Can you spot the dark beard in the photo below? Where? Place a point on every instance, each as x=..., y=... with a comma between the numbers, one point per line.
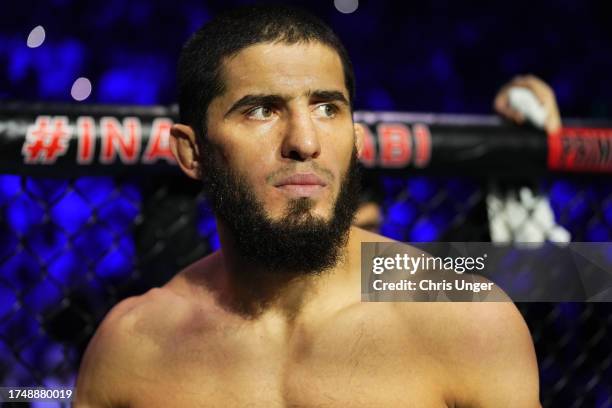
x=298, y=243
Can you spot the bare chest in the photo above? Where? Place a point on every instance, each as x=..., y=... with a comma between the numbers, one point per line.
x=344, y=364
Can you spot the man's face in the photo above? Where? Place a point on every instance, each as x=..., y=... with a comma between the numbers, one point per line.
x=284, y=125
x=279, y=162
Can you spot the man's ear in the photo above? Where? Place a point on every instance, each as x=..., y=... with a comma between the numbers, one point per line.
x=359, y=135
x=185, y=149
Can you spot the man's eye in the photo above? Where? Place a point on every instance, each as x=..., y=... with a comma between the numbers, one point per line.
x=326, y=110
x=260, y=113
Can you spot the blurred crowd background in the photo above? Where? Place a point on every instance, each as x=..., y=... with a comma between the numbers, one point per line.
x=439, y=56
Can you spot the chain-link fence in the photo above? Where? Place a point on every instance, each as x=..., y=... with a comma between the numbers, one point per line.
x=72, y=248
x=572, y=340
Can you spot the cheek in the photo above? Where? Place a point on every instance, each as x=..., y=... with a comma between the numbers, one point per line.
x=339, y=154
x=247, y=154
x=253, y=162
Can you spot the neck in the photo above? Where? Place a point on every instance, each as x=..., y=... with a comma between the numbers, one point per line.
x=252, y=290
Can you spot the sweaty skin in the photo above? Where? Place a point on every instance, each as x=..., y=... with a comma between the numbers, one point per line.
x=206, y=339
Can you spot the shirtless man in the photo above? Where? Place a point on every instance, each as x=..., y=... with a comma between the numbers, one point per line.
x=274, y=318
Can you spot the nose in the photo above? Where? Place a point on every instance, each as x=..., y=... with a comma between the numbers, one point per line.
x=301, y=140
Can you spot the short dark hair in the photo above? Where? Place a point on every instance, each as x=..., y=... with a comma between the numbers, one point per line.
x=199, y=66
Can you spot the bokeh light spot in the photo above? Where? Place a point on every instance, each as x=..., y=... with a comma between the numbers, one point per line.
x=36, y=37
x=346, y=6
x=81, y=89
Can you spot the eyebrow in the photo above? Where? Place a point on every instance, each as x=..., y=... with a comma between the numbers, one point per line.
x=329, y=96
x=254, y=100
x=275, y=99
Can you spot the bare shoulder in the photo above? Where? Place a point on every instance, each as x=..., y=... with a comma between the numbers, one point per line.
x=485, y=347
x=137, y=318
x=359, y=235
x=123, y=346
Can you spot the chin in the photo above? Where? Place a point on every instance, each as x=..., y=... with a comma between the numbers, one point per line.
x=303, y=209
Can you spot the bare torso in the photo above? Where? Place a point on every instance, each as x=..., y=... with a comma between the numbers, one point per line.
x=188, y=350
x=356, y=357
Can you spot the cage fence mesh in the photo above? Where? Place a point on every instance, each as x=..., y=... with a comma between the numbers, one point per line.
x=72, y=248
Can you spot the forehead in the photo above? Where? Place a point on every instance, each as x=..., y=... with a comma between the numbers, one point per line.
x=284, y=69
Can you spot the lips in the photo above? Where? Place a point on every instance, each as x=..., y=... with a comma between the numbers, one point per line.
x=307, y=179
x=302, y=185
